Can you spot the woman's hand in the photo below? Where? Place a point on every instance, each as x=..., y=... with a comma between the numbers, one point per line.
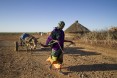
x=72, y=42
x=55, y=41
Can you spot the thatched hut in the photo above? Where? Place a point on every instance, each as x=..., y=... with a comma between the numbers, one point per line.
x=77, y=28
x=113, y=29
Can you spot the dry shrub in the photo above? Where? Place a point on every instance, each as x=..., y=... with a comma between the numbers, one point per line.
x=103, y=38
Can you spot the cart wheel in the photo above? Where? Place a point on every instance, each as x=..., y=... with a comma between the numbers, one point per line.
x=16, y=46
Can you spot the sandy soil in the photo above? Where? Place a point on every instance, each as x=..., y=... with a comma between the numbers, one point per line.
x=80, y=61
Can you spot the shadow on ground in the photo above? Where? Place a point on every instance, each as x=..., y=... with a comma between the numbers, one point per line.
x=79, y=51
x=94, y=67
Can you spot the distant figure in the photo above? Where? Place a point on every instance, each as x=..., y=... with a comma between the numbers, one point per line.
x=41, y=33
x=56, y=41
x=29, y=40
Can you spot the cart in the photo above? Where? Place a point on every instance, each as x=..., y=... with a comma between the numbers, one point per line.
x=25, y=46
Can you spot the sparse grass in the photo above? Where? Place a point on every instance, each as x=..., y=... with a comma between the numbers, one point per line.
x=101, y=38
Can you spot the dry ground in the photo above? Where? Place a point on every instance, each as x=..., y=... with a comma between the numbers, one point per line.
x=80, y=61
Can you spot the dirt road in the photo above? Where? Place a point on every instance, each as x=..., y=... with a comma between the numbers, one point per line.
x=80, y=61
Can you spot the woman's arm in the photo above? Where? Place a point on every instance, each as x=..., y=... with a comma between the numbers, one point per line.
x=69, y=41
x=43, y=45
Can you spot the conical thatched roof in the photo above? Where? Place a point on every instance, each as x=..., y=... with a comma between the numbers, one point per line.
x=77, y=28
x=113, y=29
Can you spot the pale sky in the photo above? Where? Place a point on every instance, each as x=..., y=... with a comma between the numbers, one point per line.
x=44, y=15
